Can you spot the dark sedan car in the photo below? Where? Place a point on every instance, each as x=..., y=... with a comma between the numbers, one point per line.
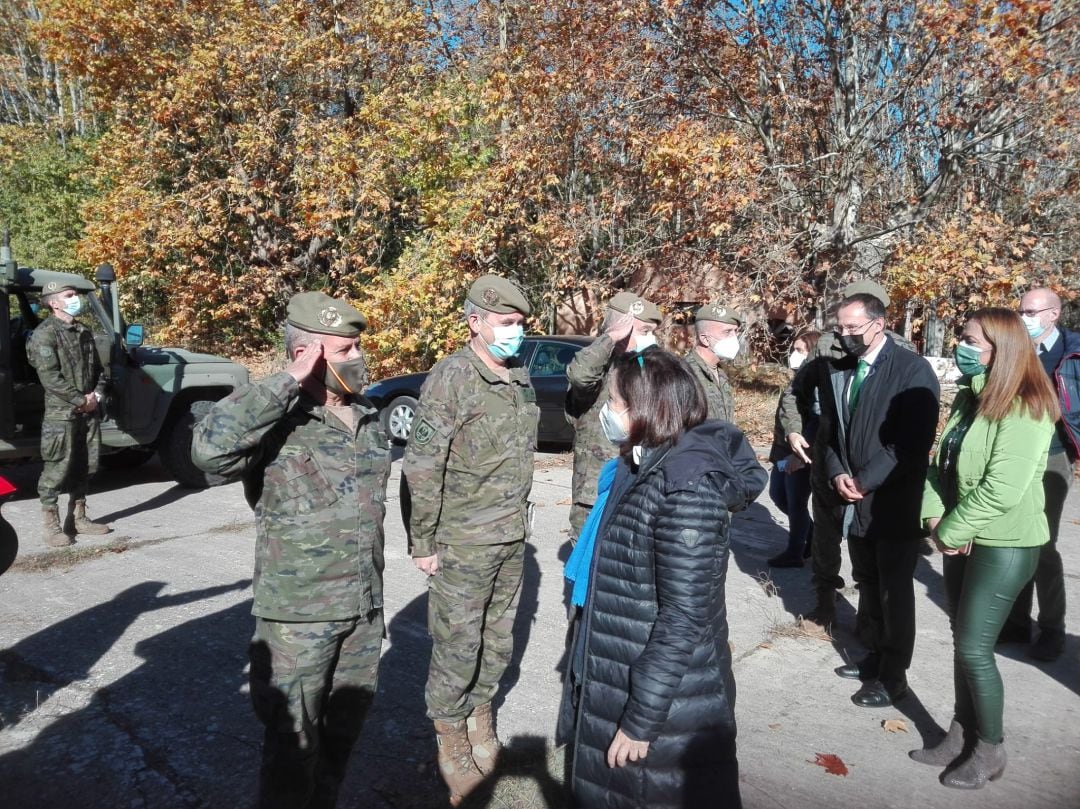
x=545, y=357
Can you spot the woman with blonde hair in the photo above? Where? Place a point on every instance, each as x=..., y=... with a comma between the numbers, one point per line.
x=984, y=505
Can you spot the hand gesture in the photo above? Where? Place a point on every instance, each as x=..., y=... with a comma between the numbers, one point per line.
x=304, y=365
x=620, y=328
x=624, y=749
x=848, y=488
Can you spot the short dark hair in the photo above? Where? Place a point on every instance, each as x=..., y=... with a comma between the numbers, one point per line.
x=873, y=307
x=665, y=398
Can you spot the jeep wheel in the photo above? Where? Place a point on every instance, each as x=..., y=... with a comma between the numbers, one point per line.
x=175, y=449
x=398, y=418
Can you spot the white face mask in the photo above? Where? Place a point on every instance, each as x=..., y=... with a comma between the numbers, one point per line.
x=643, y=341
x=727, y=348
x=795, y=360
x=612, y=424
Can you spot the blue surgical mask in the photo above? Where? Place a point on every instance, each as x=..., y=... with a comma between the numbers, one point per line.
x=74, y=306
x=968, y=359
x=1033, y=325
x=508, y=340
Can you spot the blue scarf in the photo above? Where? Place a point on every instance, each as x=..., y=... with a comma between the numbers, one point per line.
x=579, y=564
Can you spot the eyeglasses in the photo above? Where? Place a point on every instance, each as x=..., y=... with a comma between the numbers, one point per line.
x=854, y=329
x=1033, y=312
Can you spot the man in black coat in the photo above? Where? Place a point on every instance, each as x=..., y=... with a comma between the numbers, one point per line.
x=879, y=410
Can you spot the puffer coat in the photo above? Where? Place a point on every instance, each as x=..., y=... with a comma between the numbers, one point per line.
x=656, y=657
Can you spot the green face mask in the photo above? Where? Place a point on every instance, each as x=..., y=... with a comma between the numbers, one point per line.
x=346, y=378
x=968, y=360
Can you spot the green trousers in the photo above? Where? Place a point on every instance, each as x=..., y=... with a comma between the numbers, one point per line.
x=981, y=589
x=472, y=602
x=69, y=452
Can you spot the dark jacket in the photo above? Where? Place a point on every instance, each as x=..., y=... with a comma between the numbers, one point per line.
x=657, y=662
x=885, y=445
x=1067, y=384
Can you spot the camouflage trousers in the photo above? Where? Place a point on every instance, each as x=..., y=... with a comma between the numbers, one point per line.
x=311, y=686
x=472, y=602
x=70, y=451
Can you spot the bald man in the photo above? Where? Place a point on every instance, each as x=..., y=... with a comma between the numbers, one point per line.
x=1059, y=352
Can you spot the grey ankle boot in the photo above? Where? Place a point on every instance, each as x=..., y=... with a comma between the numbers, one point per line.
x=985, y=763
x=944, y=752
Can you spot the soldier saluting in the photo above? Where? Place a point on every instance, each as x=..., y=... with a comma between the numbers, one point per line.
x=468, y=471
x=314, y=460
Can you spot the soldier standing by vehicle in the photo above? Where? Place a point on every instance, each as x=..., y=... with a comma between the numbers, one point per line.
x=62, y=352
x=314, y=460
x=716, y=338
x=467, y=472
x=628, y=326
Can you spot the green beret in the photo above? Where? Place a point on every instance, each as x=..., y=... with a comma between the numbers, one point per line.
x=499, y=295
x=867, y=287
x=632, y=304
x=719, y=313
x=318, y=313
x=52, y=287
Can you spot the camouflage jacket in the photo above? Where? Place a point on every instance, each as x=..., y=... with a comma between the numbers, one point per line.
x=468, y=468
x=67, y=363
x=588, y=390
x=318, y=490
x=718, y=392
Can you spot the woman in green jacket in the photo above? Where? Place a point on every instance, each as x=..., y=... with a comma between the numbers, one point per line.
x=983, y=503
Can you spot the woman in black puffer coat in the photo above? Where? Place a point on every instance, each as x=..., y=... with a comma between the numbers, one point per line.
x=651, y=674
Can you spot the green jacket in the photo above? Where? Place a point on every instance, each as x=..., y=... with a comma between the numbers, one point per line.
x=999, y=472
x=718, y=393
x=318, y=489
x=588, y=390
x=468, y=469
x=67, y=364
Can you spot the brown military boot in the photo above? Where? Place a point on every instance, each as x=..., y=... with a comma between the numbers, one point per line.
x=485, y=744
x=83, y=524
x=455, y=760
x=51, y=533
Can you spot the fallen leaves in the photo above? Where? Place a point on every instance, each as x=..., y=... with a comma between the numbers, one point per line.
x=832, y=764
x=894, y=726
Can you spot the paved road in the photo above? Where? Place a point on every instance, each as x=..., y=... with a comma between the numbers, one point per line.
x=123, y=671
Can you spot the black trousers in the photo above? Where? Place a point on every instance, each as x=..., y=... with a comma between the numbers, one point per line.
x=884, y=572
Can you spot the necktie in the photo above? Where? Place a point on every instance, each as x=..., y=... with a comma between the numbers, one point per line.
x=857, y=380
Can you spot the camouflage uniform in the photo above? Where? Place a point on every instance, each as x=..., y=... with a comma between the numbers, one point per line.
x=318, y=489
x=67, y=364
x=718, y=392
x=588, y=391
x=468, y=471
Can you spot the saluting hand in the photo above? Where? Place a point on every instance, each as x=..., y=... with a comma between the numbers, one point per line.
x=620, y=329
x=307, y=358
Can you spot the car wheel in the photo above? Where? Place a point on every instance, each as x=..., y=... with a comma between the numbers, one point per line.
x=398, y=418
x=175, y=449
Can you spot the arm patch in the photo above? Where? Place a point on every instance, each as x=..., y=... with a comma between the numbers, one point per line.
x=423, y=432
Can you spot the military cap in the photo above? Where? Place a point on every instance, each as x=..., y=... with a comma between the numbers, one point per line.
x=499, y=295
x=720, y=313
x=632, y=304
x=52, y=287
x=318, y=313
x=865, y=286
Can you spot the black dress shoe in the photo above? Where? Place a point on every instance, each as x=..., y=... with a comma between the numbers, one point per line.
x=1048, y=647
x=865, y=669
x=874, y=694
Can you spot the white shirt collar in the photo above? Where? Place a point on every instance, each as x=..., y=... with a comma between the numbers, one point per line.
x=871, y=356
x=1048, y=342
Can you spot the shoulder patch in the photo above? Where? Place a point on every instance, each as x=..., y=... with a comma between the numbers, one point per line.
x=423, y=432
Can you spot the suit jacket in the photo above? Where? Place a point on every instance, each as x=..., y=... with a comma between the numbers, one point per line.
x=885, y=444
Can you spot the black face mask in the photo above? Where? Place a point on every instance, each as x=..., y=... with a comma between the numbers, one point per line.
x=346, y=378
x=854, y=345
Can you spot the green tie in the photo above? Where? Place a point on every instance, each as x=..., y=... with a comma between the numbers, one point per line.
x=857, y=380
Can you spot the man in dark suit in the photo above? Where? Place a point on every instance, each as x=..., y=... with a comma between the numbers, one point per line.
x=879, y=409
x=1059, y=352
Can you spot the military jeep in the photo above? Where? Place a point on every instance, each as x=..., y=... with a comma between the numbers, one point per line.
x=154, y=396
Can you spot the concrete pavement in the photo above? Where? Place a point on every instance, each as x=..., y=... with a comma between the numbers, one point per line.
x=123, y=683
